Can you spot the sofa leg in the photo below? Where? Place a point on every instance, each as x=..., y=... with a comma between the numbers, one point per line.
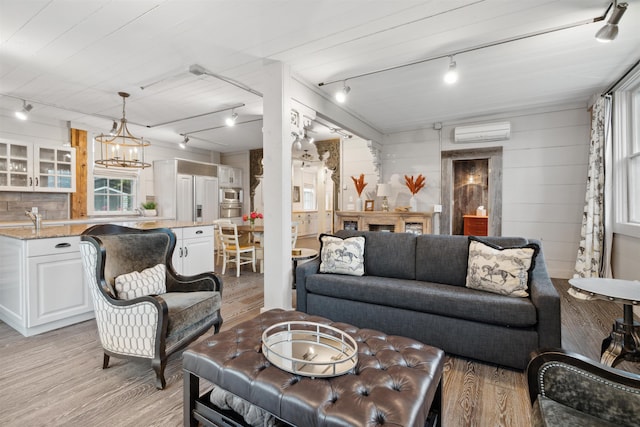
x=105, y=361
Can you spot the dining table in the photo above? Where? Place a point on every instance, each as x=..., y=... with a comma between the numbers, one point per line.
x=255, y=235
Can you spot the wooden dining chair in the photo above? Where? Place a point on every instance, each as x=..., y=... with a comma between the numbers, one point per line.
x=218, y=241
x=233, y=251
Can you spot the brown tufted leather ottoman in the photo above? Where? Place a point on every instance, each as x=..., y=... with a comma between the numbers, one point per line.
x=396, y=382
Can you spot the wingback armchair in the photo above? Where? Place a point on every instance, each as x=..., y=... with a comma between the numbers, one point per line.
x=567, y=389
x=156, y=324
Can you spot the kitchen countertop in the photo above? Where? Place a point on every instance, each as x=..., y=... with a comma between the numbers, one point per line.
x=27, y=231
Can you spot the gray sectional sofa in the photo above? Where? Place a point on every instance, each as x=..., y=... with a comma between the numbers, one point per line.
x=415, y=286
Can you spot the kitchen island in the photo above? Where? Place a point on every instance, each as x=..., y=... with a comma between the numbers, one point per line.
x=42, y=284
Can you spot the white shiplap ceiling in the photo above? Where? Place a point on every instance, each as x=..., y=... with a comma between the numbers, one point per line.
x=70, y=58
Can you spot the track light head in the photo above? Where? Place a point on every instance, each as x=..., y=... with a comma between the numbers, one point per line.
x=341, y=95
x=297, y=144
x=451, y=76
x=183, y=144
x=610, y=30
x=24, y=113
x=114, y=128
x=197, y=69
x=231, y=121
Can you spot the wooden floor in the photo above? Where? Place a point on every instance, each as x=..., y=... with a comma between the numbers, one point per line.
x=55, y=379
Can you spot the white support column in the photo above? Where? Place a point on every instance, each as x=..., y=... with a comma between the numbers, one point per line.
x=277, y=186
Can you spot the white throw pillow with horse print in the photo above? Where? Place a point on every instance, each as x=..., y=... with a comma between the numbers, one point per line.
x=500, y=270
x=342, y=256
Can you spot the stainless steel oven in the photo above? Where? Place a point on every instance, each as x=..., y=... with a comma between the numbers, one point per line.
x=230, y=210
x=230, y=195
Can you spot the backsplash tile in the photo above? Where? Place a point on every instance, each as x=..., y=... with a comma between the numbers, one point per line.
x=50, y=205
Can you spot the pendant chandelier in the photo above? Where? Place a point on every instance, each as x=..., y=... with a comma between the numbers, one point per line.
x=120, y=148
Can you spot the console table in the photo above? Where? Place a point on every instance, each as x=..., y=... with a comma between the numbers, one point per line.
x=395, y=222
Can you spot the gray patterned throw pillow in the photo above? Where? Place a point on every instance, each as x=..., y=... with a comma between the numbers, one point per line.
x=342, y=256
x=500, y=270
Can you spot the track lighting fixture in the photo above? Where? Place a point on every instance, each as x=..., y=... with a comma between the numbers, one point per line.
x=24, y=113
x=231, y=121
x=616, y=15
x=451, y=76
x=114, y=128
x=610, y=30
x=341, y=95
x=183, y=144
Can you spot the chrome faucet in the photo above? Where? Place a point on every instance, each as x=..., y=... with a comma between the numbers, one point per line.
x=35, y=217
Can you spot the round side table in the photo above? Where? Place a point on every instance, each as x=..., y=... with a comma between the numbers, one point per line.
x=624, y=341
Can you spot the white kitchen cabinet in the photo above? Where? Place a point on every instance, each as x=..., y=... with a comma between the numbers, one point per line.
x=42, y=284
x=194, y=253
x=33, y=167
x=229, y=176
x=307, y=222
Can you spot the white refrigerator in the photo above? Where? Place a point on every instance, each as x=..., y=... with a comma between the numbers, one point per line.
x=186, y=190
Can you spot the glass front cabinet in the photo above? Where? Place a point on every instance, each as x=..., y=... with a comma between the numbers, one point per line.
x=33, y=167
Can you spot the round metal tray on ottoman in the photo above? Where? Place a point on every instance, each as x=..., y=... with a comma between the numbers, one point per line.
x=310, y=349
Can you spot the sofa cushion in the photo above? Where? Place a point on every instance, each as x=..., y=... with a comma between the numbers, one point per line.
x=436, y=298
x=342, y=256
x=443, y=258
x=150, y=281
x=504, y=271
x=387, y=254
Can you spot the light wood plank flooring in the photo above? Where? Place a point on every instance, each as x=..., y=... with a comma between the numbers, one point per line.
x=55, y=379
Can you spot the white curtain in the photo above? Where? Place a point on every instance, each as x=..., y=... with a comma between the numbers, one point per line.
x=590, y=260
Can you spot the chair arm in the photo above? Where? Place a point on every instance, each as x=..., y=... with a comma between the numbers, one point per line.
x=151, y=309
x=199, y=282
x=585, y=385
x=304, y=270
x=546, y=299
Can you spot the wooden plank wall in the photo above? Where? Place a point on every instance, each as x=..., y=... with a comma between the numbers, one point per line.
x=544, y=174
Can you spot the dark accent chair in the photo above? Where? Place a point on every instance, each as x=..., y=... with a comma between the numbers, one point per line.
x=567, y=389
x=152, y=326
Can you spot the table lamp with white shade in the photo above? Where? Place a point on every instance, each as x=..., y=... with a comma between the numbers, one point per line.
x=384, y=191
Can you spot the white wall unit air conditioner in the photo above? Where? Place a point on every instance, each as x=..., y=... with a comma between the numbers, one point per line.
x=499, y=131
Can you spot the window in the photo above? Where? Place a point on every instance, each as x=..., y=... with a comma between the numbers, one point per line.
x=633, y=179
x=309, y=198
x=626, y=163
x=115, y=195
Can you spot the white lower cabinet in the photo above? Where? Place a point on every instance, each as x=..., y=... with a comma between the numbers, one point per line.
x=45, y=287
x=194, y=250
x=307, y=222
x=56, y=288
